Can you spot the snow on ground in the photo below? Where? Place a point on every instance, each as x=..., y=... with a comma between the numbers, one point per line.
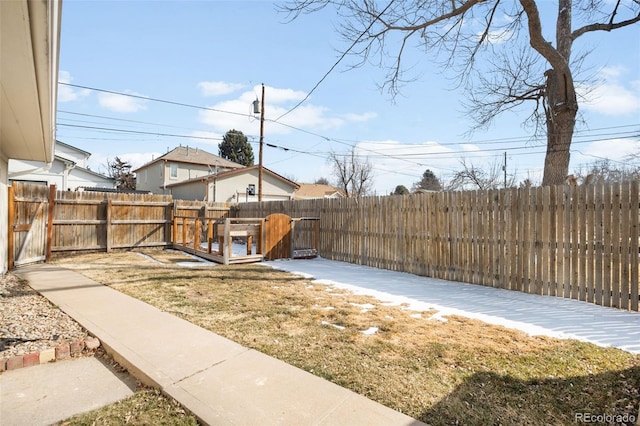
x=530, y=313
x=533, y=314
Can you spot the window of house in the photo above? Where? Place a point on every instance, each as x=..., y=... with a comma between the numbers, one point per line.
x=173, y=171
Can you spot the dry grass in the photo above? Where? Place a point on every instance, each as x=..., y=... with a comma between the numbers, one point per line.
x=145, y=407
x=461, y=370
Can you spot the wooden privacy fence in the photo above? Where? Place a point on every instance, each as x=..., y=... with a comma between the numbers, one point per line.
x=574, y=242
x=43, y=220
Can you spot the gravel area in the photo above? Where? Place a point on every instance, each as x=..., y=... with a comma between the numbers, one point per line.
x=29, y=322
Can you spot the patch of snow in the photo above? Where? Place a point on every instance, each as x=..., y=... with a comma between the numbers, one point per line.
x=369, y=331
x=149, y=258
x=418, y=315
x=237, y=249
x=533, y=314
x=438, y=317
x=194, y=264
x=365, y=307
x=339, y=327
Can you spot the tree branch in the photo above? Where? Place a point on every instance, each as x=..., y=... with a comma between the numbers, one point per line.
x=604, y=27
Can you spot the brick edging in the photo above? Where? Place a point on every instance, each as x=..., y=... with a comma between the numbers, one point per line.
x=63, y=351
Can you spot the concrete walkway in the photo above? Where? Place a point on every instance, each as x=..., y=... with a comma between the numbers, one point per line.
x=219, y=381
x=49, y=393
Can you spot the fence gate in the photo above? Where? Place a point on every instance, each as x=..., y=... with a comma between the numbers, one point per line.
x=29, y=212
x=278, y=238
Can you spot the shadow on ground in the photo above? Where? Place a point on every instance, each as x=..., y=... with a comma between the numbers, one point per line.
x=488, y=398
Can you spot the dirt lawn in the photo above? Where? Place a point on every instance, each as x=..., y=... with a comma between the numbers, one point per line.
x=459, y=371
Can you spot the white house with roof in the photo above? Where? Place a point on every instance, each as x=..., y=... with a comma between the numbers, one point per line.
x=235, y=186
x=30, y=34
x=67, y=171
x=179, y=165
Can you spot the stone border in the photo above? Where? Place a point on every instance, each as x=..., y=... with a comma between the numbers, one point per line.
x=63, y=351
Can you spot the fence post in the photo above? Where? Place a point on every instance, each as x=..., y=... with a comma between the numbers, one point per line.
x=108, y=227
x=50, y=214
x=174, y=223
x=635, y=244
x=209, y=235
x=196, y=234
x=10, y=225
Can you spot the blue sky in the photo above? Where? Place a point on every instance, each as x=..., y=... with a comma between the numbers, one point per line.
x=216, y=54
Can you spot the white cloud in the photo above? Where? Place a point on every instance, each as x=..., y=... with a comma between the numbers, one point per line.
x=497, y=36
x=209, y=138
x=217, y=88
x=469, y=147
x=68, y=93
x=613, y=96
x=122, y=103
x=360, y=117
x=614, y=149
x=239, y=113
x=396, y=163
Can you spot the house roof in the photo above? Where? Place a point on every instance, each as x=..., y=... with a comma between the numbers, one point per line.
x=186, y=154
x=30, y=34
x=230, y=173
x=316, y=190
x=75, y=148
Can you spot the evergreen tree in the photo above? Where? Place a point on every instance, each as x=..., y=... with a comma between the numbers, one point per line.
x=400, y=190
x=235, y=147
x=429, y=182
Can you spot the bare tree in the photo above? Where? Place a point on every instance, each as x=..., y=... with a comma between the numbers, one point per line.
x=522, y=66
x=354, y=175
x=474, y=177
x=605, y=170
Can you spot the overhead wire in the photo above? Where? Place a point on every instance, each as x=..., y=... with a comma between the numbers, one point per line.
x=344, y=54
x=353, y=144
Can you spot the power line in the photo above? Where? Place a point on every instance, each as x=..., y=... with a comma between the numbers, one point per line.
x=374, y=153
x=146, y=98
x=344, y=54
x=137, y=132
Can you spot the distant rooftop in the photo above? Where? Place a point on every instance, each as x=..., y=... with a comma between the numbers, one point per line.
x=317, y=190
x=186, y=154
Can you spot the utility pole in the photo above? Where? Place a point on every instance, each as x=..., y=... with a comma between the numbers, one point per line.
x=505, y=169
x=261, y=141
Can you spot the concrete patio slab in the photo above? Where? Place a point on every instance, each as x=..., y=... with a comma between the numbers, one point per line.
x=49, y=393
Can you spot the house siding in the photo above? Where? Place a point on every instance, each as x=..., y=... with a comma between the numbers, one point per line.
x=4, y=213
x=150, y=178
x=57, y=174
x=69, y=152
x=158, y=175
x=190, y=191
x=234, y=188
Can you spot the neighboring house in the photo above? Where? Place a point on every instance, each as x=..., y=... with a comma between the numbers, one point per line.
x=308, y=191
x=239, y=185
x=67, y=171
x=30, y=34
x=181, y=164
